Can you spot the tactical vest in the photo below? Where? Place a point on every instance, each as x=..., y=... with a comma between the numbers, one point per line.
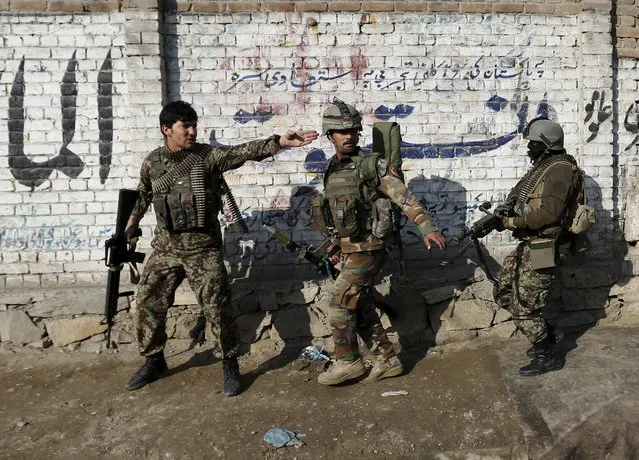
x=350, y=190
x=186, y=204
x=531, y=192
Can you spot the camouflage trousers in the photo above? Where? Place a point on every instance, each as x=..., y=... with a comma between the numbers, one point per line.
x=524, y=292
x=165, y=270
x=352, y=310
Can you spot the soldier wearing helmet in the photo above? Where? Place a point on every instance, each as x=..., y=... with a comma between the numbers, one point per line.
x=355, y=212
x=538, y=210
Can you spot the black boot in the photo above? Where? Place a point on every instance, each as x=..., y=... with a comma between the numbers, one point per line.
x=545, y=360
x=232, y=377
x=555, y=336
x=154, y=368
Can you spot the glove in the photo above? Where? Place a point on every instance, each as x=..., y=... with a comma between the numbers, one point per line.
x=504, y=210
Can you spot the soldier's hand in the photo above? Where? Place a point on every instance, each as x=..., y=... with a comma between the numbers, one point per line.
x=437, y=238
x=504, y=210
x=335, y=258
x=298, y=138
x=132, y=232
x=509, y=223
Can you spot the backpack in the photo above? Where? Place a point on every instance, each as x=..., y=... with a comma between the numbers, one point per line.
x=387, y=140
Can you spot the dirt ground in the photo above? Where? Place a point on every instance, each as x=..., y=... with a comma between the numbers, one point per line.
x=464, y=401
x=57, y=405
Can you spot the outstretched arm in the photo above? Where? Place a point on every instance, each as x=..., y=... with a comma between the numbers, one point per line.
x=228, y=158
x=399, y=194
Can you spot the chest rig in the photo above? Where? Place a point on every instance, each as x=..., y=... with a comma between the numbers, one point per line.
x=350, y=190
x=181, y=200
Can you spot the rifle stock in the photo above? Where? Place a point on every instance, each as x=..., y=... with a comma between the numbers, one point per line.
x=117, y=252
x=324, y=265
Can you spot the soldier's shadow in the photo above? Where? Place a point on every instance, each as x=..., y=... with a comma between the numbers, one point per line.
x=271, y=291
x=267, y=287
x=582, y=299
x=421, y=300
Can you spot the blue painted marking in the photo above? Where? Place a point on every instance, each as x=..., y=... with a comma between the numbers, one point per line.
x=243, y=117
x=450, y=150
x=401, y=111
x=496, y=103
x=315, y=161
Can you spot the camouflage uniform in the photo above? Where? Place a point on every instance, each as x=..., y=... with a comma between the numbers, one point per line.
x=195, y=255
x=363, y=257
x=523, y=290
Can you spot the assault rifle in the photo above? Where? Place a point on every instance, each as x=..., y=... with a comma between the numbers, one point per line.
x=117, y=252
x=323, y=264
x=484, y=226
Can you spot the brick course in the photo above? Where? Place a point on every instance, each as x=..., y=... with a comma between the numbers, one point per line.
x=214, y=6
x=439, y=68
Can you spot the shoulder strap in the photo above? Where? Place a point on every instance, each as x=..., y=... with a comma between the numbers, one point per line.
x=368, y=167
x=329, y=166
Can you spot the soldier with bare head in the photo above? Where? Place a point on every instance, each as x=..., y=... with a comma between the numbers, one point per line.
x=183, y=181
x=355, y=211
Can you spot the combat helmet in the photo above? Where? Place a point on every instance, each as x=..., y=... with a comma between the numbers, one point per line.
x=339, y=116
x=548, y=132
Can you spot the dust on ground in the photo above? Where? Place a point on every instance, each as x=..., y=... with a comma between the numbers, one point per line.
x=463, y=401
x=57, y=405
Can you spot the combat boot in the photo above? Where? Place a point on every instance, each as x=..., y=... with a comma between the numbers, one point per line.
x=555, y=336
x=545, y=360
x=232, y=377
x=384, y=368
x=154, y=368
x=342, y=371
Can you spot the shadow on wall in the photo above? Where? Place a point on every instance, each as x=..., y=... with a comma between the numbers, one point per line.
x=585, y=297
x=169, y=51
x=425, y=295
x=277, y=299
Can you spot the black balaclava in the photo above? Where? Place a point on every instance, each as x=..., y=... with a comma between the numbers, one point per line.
x=536, y=149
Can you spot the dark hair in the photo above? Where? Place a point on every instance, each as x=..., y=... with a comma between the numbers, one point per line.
x=177, y=111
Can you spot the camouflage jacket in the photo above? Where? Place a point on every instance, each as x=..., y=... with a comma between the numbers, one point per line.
x=216, y=161
x=547, y=204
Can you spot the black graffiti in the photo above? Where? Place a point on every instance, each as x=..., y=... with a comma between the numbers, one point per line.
x=631, y=123
x=105, y=116
x=603, y=113
x=33, y=174
x=412, y=79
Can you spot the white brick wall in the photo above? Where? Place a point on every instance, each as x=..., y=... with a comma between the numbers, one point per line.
x=434, y=73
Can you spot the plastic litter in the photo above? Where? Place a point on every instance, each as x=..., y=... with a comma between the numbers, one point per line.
x=312, y=355
x=395, y=393
x=281, y=437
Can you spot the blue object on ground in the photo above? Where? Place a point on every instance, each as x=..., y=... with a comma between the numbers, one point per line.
x=281, y=437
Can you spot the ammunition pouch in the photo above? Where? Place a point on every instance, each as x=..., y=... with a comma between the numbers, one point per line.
x=585, y=218
x=321, y=216
x=345, y=216
x=542, y=253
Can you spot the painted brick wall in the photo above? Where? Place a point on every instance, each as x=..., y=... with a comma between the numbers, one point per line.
x=83, y=84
